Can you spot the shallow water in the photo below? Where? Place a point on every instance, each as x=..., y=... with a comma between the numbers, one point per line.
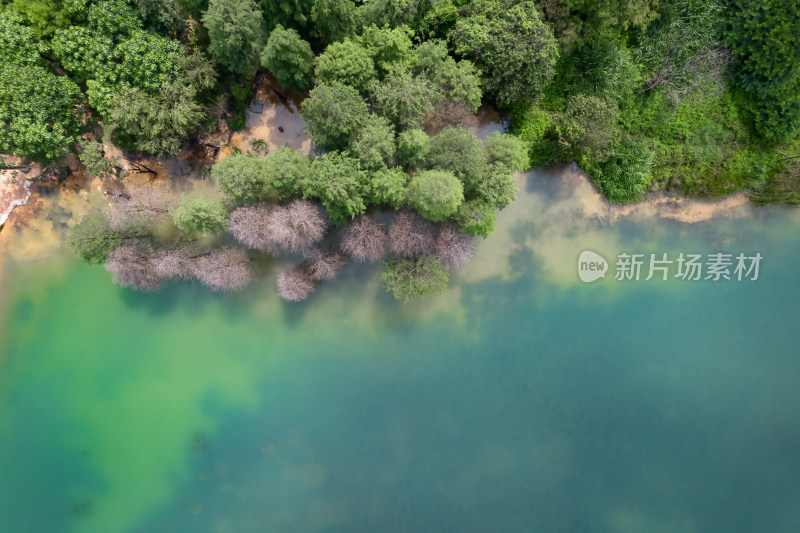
x=520, y=400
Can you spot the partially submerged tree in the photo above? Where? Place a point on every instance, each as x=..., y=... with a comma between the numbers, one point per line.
x=132, y=266
x=387, y=186
x=97, y=166
x=223, y=269
x=244, y=178
x=506, y=149
x=413, y=278
x=297, y=226
x=295, y=284
x=410, y=235
x=365, y=240
x=476, y=217
x=324, y=266
x=453, y=248
x=435, y=194
x=251, y=226
x=200, y=215
x=340, y=185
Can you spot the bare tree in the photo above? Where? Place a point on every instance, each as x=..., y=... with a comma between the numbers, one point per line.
x=139, y=204
x=251, y=227
x=453, y=247
x=324, y=266
x=452, y=114
x=223, y=269
x=131, y=266
x=172, y=264
x=411, y=235
x=297, y=226
x=295, y=284
x=366, y=239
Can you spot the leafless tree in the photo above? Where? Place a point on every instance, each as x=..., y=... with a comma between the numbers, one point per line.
x=173, y=264
x=700, y=75
x=452, y=114
x=251, y=226
x=453, y=247
x=139, y=204
x=295, y=284
x=365, y=240
x=223, y=269
x=324, y=266
x=131, y=266
x=297, y=226
x=411, y=235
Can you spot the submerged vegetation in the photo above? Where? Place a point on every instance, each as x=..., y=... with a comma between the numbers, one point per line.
x=696, y=96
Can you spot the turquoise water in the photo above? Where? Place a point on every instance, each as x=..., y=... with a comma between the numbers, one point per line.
x=521, y=400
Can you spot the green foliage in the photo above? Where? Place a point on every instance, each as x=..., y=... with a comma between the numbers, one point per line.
x=435, y=194
x=246, y=179
x=388, y=12
x=333, y=114
x=86, y=54
x=763, y=35
x=287, y=13
x=339, y=184
x=412, y=147
x=458, y=82
x=497, y=186
x=587, y=127
x=387, y=186
x=617, y=14
x=157, y=124
x=414, y=278
x=391, y=48
x=334, y=19
x=286, y=170
x=602, y=68
x=625, y=175
x=513, y=48
x=235, y=33
x=458, y=151
x=109, y=17
x=373, y=144
x=476, y=217
x=200, y=215
x=404, y=99
x=42, y=16
x=96, y=165
x=17, y=41
x=93, y=238
x=346, y=62
x=506, y=149
x=148, y=60
x=289, y=58
x=783, y=188
x=37, y=112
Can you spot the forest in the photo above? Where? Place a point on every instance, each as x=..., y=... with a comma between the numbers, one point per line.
x=693, y=97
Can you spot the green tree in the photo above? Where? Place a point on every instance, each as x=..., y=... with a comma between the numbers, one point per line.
x=148, y=60
x=109, y=17
x=244, y=178
x=513, y=48
x=602, y=68
x=389, y=12
x=373, y=144
x=156, y=124
x=86, y=54
x=413, y=146
x=404, y=99
x=200, y=215
x=476, y=217
x=497, y=186
x=458, y=151
x=435, y=194
x=391, y=48
x=414, y=278
x=339, y=184
x=507, y=149
x=458, y=82
x=235, y=33
x=763, y=36
x=287, y=13
x=617, y=14
x=587, y=127
x=93, y=237
x=334, y=19
x=287, y=170
x=333, y=113
x=346, y=62
x=38, y=116
x=42, y=16
x=96, y=165
x=625, y=175
x=17, y=41
x=289, y=58
x=387, y=186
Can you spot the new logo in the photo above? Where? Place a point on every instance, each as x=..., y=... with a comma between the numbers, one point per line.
x=591, y=266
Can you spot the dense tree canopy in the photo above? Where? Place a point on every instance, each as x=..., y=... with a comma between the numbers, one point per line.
x=408, y=278
x=458, y=151
x=435, y=194
x=235, y=32
x=337, y=181
x=333, y=114
x=346, y=62
x=200, y=215
x=289, y=58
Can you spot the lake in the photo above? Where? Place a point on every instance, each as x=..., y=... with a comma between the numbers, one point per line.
x=520, y=400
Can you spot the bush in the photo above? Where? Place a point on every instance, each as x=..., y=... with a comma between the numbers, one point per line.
x=476, y=217
x=200, y=215
x=435, y=194
x=413, y=278
x=412, y=147
x=625, y=175
x=458, y=151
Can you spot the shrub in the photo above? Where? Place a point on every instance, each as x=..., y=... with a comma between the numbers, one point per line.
x=413, y=278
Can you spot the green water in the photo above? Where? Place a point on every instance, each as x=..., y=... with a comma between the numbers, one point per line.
x=519, y=401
